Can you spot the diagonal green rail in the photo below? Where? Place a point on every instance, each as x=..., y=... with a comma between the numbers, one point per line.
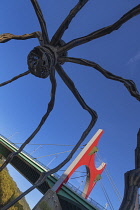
x=69, y=196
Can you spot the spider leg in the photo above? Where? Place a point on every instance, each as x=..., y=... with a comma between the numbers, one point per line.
x=7, y=36
x=129, y=84
x=81, y=101
x=94, y=117
x=101, y=32
x=49, y=109
x=41, y=21
x=131, y=187
x=93, y=114
x=59, y=33
x=14, y=78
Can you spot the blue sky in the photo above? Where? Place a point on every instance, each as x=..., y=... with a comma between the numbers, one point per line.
x=24, y=101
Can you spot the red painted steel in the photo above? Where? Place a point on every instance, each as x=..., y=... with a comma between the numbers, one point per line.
x=87, y=158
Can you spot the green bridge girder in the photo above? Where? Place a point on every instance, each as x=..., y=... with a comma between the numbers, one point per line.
x=31, y=170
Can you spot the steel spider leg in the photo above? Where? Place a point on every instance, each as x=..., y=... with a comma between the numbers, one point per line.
x=129, y=84
x=93, y=114
x=41, y=21
x=132, y=185
x=49, y=109
x=65, y=24
x=7, y=36
x=81, y=101
x=15, y=78
x=101, y=32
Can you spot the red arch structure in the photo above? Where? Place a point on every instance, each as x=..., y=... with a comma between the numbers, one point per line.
x=86, y=157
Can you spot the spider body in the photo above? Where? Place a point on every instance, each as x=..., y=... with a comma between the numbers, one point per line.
x=41, y=60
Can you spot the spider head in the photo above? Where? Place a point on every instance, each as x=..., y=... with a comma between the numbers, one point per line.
x=41, y=60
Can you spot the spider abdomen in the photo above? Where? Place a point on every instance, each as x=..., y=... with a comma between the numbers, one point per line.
x=41, y=60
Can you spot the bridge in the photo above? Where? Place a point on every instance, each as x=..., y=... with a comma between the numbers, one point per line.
x=69, y=196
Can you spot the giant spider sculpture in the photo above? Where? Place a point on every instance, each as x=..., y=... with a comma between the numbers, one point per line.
x=49, y=57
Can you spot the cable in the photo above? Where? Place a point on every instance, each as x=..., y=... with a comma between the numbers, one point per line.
x=106, y=195
x=111, y=181
x=53, y=144
x=78, y=177
x=75, y=171
x=55, y=154
x=114, y=186
x=35, y=150
x=51, y=160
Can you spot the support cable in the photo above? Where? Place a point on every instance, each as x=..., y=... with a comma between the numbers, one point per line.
x=53, y=144
x=78, y=177
x=114, y=186
x=35, y=149
x=55, y=153
x=106, y=196
x=76, y=171
x=111, y=181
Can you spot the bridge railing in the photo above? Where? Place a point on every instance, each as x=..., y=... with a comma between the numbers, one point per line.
x=90, y=200
x=68, y=184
